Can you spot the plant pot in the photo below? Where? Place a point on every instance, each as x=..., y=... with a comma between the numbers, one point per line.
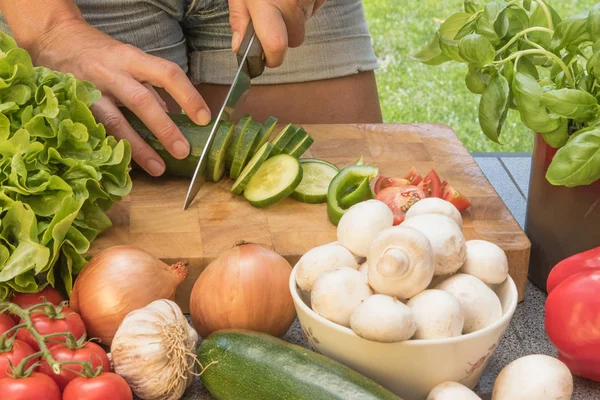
x=560, y=221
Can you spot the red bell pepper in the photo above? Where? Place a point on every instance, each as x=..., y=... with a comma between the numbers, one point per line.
x=572, y=313
x=571, y=265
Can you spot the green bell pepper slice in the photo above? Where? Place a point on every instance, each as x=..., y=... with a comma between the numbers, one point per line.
x=350, y=186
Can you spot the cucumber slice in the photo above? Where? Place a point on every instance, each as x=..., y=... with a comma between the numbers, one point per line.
x=250, y=169
x=283, y=138
x=264, y=134
x=237, y=135
x=242, y=153
x=216, y=154
x=301, y=148
x=316, y=177
x=276, y=179
x=298, y=137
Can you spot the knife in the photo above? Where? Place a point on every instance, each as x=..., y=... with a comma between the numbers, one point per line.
x=251, y=63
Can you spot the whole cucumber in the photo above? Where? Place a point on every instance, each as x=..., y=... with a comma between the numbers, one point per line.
x=242, y=364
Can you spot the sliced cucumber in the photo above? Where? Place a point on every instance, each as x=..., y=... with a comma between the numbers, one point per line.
x=237, y=136
x=264, y=134
x=276, y=179
x=316, y=177
x=282, y=139
x=250, y=169
x=301, y=148
x=242, y=153
x=216, y=154
x=296, y=139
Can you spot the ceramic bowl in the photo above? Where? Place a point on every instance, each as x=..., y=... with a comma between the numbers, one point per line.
x=412, y=368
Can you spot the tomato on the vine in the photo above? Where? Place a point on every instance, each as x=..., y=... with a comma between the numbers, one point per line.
x=399, y=200
x=66, y=321
x=35, y=386
x=6, y=322
x=107, y=385
x=15, y=351
x=89, y=352
x=26, y=300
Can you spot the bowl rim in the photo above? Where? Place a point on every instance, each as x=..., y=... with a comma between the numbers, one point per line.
x=506, y=317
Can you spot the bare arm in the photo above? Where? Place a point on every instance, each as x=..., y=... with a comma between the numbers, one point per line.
x=57, y=37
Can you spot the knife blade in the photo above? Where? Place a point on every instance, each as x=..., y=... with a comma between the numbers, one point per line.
x=251, y=63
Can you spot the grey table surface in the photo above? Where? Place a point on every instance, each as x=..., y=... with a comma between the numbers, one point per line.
x=509, y=174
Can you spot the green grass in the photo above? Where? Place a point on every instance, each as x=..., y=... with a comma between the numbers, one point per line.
x=413, y=92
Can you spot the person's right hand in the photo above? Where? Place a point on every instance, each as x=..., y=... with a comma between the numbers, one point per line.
x=125, y=75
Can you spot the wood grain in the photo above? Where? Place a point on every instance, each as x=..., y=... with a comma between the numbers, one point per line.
x=152, y=217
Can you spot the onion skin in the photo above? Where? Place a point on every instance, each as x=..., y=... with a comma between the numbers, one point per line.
x=244, y=288
x=117, y=281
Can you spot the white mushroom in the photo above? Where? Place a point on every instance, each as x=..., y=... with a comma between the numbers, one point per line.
x=452, y=391
x=338, y=292
x=400, y=262
x=364, y=269
x=435, y=205
x=479, y=304
x=361, y=223
x=486, y=261
x=383, y=318
x=437, y=313
x=446, y=238
x=320, y=259
x=534, y=377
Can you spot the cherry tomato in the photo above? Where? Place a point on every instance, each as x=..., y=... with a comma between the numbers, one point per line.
x=26, y=300
x=106, y=386
x=15, y=352
x=455, y=197
x=383, y=182
x=413, y=177
x=431, y=185
x=6, y=322
x=67, y=321
x=399, y=200
x=90, y=352
x=36, y=386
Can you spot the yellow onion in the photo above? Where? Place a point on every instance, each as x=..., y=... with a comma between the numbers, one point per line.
x=244, y=288
x=117, y=281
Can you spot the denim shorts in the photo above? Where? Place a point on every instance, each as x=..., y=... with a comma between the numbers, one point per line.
x=196, y=35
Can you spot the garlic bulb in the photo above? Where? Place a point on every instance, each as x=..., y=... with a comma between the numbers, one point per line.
x=154, y=351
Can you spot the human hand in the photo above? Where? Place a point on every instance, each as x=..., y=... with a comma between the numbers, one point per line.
x=125, y=75
x=279, y=24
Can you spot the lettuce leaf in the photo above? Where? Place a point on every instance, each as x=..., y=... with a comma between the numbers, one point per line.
x=59, y=174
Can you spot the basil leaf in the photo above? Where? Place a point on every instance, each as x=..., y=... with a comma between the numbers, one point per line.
x=526, y=66
x=593, y=23
x=486, y=24
x=493, y=107
x=447, y=34
x=476, y=49
x=558, y=137
x=528, y=92
x=476, y=80
x=431, y=54
x=471, y=6
x=517, y=19
x=527, y=4
x=571, y=103
x=578, y=162
x=538, y=18
x=571, y=31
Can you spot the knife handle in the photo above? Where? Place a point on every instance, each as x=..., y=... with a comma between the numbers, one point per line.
x=255, y=62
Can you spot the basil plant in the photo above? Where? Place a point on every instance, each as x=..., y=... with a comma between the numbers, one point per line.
x=522, y=55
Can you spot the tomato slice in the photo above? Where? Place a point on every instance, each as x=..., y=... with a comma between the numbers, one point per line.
x=413, y=176
x=431, y=185
x=400, y=199
x=383, y=182
x=455, y=197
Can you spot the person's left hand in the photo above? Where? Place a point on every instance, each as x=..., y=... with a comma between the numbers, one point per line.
x=279, y=24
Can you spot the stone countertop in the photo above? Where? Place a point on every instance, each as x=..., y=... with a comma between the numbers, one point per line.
x=525, y=335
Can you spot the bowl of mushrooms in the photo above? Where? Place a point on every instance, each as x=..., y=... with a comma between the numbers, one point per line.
x=410, y=306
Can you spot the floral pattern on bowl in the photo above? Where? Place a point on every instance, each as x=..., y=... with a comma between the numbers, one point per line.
x=312, y=340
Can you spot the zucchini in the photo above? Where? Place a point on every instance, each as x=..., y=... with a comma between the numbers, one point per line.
x=242, y=152
x=215, y=168
x=242, y=364
x=301, y=148
x=264, y=134
x=250, y=169
x=275, y=180
x=316, y=177
x=296, y=139
x=281, y=140
x=237, y=137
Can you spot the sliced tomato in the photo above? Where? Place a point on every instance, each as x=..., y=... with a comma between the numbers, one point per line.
x=455, y=197
x=431, y=185
x=384, y=182
x=400, y=199
x=413, y=176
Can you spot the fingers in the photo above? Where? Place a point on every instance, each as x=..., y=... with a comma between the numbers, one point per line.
x=160, y=100
x=272, y=31
x=239, y=18
x=116, y=125
x=141, y=101
x=169, y=76
x=318, y=4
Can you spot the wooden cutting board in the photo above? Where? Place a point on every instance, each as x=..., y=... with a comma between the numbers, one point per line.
x=152, y=218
